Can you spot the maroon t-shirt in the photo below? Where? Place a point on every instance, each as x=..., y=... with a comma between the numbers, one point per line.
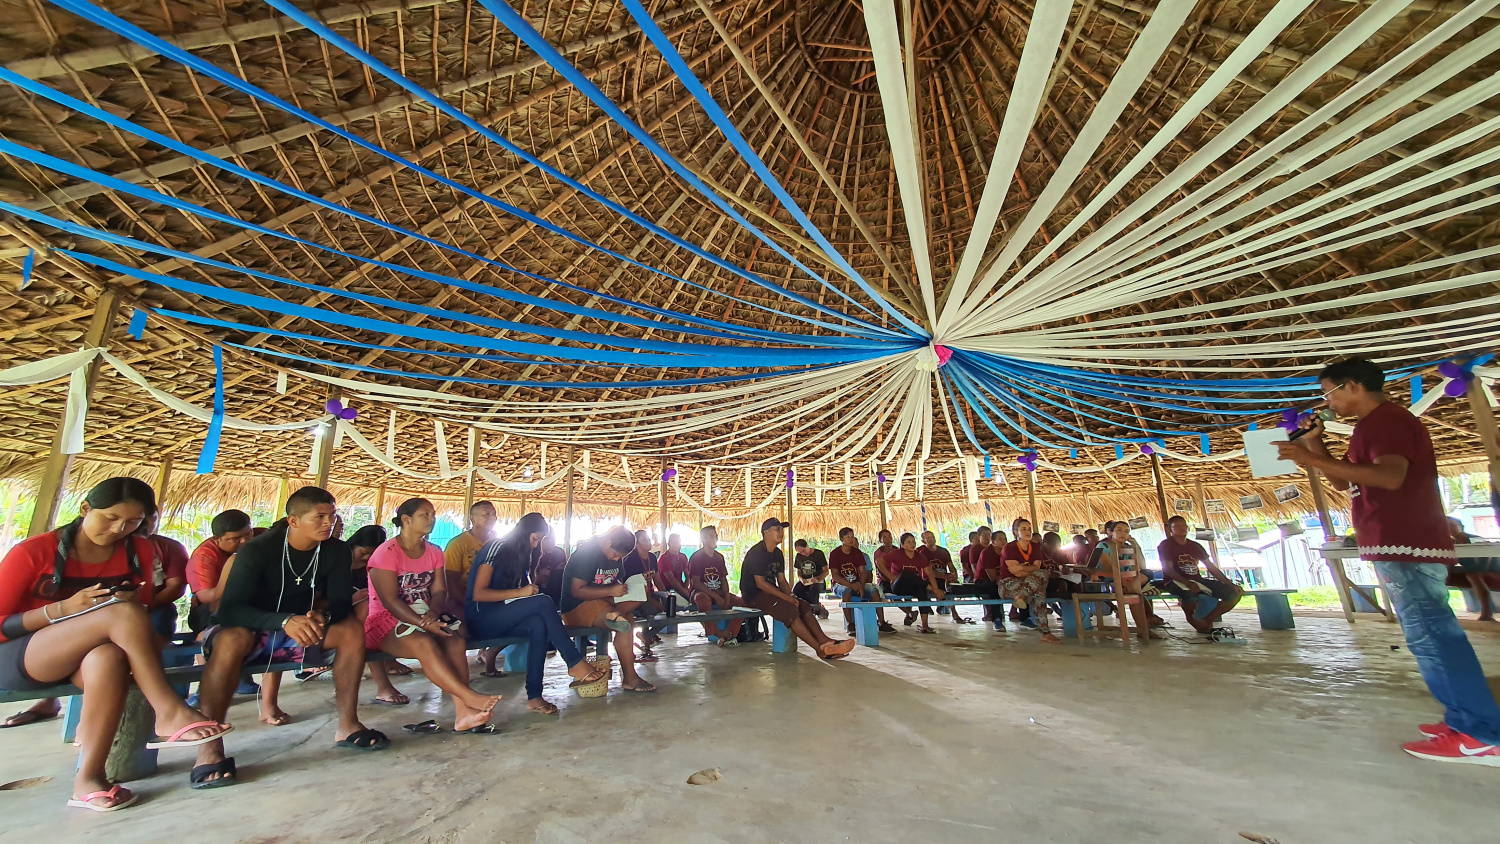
x=848, y=564
x=899, y=563
x=941, y=562
x=1034, y=553
x=173, y=556
x=708, y=566
x=672, y=566
x=966, y=559
x=988, y=558
x=879, y=554
x=1404, y=525
x=1181, y=562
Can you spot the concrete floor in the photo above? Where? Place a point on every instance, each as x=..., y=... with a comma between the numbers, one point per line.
x=968, y=735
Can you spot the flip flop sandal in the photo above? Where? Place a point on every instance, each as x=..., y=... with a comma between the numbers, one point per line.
x=423, y=728
x=176, y=739
x=496, y=673
x=364, y=740
x=382, y=702
x=311, y=674
x=114, y=792
x=887, y=627
x=594, y=677
x=24, y=718
x=397, y=669
x=646, y=657
x=547, y=708
x=199, y=780
x=928, y=630
x=482, y=730
x=619, y=625
x=643, y=688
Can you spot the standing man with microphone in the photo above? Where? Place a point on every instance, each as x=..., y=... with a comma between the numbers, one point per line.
x=1391, y=473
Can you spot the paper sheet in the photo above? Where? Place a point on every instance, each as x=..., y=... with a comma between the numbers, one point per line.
x=637, y=586
x=1265, y=460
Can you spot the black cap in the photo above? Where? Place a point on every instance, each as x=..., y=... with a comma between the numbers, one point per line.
x=770, y=523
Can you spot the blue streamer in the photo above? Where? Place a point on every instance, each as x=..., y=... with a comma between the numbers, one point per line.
x=986, y=467
x=1072, y=454
x=1416, y=388
x=1203, y=444
x=210, y=451
x=27, y=264
x=121, y=27
x=138, y=323
x=539, y=45
x=716, y=114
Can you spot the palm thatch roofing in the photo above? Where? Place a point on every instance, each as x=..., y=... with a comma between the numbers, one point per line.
x=830, y=148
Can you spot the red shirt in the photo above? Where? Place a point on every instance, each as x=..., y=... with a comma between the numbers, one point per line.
x=1033, y=554
x=1404, y=525
x=879, y=554
x=673, y=565
x=173, y=556
x=26, y=574
x=940, y=560
x=899, y=563
x=1181, y=562
x=708, y=567
x=966, y=560
x=849, y=564
x=988, y=558
x=206, y=564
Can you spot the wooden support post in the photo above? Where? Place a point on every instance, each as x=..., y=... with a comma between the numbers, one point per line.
x=163, y=478
x=1213, y=546
x=54, y=481
x=1489, y=433
x=473, y=462
x=325, y=444
x=661, y=500
x=787, y=546
x=1161, y=494
x=1088, y=509
x=1031, y=499
x=380, y=505
x=880, y=491
x=568, y=509
x=1335, y=567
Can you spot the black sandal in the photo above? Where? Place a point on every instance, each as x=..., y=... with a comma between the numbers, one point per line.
x=482, y=730
x=424, y=727
x=199, y=780
x=364, y=740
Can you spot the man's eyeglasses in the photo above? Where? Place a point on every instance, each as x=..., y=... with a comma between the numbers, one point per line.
x=1331, y=392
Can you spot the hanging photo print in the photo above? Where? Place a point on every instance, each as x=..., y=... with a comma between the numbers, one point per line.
x=1050, y=527
x=1139, y=522
x=1182, y=505
x=1215, y=505
x=1287, y=493
x=1251, y=502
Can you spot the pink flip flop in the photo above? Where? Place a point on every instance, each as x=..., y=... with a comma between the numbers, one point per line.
x=161, y=743
x=111, y=794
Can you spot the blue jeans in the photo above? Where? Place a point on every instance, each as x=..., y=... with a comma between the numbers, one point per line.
x=537, y=619
x=1442, y=650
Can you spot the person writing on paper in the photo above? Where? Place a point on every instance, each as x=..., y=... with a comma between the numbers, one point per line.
x=708, y=581
x=73, y=610
x=410, y=618
x=1391, y=474
x=504, y=602
x=641, y=563
x=592, y=585
x=1182, y=563
x=812, y=573
x=763, y=583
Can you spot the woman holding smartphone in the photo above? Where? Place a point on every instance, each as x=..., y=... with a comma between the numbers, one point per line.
x=73, y=609
x=409, y=617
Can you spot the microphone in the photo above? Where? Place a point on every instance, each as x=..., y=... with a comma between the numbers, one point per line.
x=1324, y=415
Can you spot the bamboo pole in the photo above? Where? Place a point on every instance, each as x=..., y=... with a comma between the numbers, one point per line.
x=473, y=462
x=325, y=443
x=1335, y=567
x=1489, y=434
x=1213, y=545
x=1161, y=494
x=880, y=488
x=283, y=490
x=661, y=499
x=54, y=480
x=163, y=477
x=568, y=510
x=380, y=505
x=1031, y=499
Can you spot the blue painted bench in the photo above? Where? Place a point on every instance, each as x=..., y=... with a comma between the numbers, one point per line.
x=866, y=622
x=1272, y=605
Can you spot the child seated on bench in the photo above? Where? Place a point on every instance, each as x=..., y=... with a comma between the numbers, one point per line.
x=73, y=609
x=504, y=602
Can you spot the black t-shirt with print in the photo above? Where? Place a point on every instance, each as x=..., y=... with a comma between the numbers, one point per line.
x=590, y=565
x=764, y=562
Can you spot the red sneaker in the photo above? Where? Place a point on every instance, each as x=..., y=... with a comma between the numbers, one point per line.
x=1434, y=730
x=1455, y=747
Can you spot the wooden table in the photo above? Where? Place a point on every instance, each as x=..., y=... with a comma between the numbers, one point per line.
x=1336, y=553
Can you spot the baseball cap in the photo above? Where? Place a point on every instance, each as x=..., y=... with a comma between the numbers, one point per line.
x=770, y=523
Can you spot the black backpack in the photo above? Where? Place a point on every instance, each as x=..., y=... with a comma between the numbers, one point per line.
x=753, y=630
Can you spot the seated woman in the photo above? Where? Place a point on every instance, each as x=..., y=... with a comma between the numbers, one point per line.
x=911, y=576
x=73, y=603
x=1024, y=576
x=408, y=602
x=361, y=545
x=1120, y=560
x=504, y=602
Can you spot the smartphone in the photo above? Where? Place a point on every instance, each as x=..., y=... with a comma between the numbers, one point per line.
x=124, y=587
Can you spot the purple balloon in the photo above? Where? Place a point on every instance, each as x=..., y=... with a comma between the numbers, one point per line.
x=880, y=478
x=348, y=414
x=334, y=406
x=1147, y=449
x=1450, y=369
x=1456, y=388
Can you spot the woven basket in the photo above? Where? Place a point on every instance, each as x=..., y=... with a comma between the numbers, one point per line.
x=600, y=687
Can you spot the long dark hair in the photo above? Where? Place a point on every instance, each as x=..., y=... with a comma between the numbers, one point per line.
x=369, y=536
x=511, y=557
x=104, y=495
x=517, y=543
x=408, y=508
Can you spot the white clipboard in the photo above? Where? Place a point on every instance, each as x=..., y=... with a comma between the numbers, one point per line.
x=1265, y=459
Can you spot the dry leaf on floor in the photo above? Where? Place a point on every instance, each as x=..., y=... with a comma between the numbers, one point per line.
x=1258, y=839
x=708, y=775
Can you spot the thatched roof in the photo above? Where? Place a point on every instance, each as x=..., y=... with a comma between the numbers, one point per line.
x=835, y=160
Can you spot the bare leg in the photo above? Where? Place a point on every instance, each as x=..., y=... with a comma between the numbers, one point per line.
x=104, y=676
x=216, y=688
x=347, y=639
x=384, y=689
x=625, y=652
x=1221, y=609
x=1482, y=595
x=471, y=709
x=270, y=710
